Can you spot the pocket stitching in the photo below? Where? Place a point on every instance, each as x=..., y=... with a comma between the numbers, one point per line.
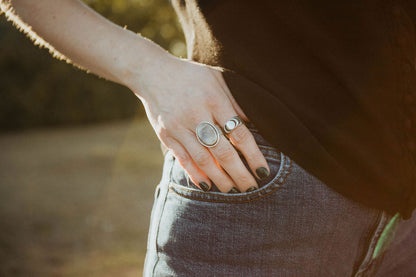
x=272, y=182
x=285, y=172
x=274, y=155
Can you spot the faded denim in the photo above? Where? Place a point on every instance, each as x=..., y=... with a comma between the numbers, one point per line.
x=293, y=225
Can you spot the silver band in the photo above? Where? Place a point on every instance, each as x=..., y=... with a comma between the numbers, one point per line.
x=208, y=134
x=232, y=124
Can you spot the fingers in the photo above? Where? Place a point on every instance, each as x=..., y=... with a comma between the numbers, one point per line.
x=206, y=162
x=241, y=137
x=244, y=141
x=221, y=163
x=197, y=176
x=228, y=158
x=177, y=105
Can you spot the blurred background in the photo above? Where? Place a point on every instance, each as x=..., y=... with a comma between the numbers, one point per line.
x=79, y=161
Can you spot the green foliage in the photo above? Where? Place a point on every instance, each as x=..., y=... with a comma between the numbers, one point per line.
x=37, y=90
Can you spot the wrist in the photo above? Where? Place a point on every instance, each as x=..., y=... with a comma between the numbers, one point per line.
x=140, y=61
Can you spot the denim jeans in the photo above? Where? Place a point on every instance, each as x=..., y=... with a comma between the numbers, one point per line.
x=293, y=225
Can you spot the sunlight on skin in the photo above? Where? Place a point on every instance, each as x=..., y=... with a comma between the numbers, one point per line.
x=27, y=29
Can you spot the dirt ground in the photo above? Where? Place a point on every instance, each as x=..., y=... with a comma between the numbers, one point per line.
x=76, y=201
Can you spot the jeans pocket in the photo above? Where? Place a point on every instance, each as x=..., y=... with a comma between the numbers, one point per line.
x=279, y=165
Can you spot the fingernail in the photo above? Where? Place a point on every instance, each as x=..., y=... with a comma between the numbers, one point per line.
x=262, y=172
x=234, y=190
x=204, y=186
x=251, y=189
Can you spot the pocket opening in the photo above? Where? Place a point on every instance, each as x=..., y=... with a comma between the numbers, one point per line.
x=277, y=180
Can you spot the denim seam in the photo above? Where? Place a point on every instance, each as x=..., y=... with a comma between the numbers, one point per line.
x=368, y=260
x=274, y=156
x=259, y=194
x=272, y=182
x=265, y=147
x=162, y=207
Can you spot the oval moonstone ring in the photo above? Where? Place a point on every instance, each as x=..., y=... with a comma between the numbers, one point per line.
x=208, y=134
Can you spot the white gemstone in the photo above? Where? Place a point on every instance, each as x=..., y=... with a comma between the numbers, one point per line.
x=230, y=125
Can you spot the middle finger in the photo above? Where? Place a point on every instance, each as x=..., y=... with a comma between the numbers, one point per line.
x=228, y=158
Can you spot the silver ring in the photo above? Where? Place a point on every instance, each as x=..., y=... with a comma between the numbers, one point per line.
x=232, y=124
x=208, y=134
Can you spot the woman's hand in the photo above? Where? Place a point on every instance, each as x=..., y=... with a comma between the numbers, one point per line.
x=177, y=96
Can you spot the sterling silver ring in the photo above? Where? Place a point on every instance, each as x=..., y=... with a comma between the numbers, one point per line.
x=232, y=124
x=208, y=134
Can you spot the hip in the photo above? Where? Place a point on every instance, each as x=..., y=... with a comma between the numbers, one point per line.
x=293, y=225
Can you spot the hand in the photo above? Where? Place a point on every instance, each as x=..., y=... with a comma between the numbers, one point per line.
x=177, y=96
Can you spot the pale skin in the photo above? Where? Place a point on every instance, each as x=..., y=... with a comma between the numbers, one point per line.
x=177, y=93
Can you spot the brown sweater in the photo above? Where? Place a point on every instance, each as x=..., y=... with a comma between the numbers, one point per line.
x=331, y=84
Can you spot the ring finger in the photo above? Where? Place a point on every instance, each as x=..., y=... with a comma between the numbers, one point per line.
x=225, y=154
x=228, y=158
x=244, y=141
x=206, y=162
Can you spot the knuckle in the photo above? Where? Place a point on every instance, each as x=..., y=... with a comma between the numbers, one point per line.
x=202, y=158
x=213, y=103
x=167, y=140
x=240, y=136
x=171, y=122
x=224, y=153
x=182, y=157
x=245, y=179
x=163, y=134
x=193, y=118
x=253, y=154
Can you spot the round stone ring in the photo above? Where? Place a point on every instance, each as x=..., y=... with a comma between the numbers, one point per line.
x=232, y=124
x=208, y=134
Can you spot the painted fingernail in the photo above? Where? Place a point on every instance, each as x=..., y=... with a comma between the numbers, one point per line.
x=204, y=186
x=250, y=189
x=234, y=190
x=262, y=172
